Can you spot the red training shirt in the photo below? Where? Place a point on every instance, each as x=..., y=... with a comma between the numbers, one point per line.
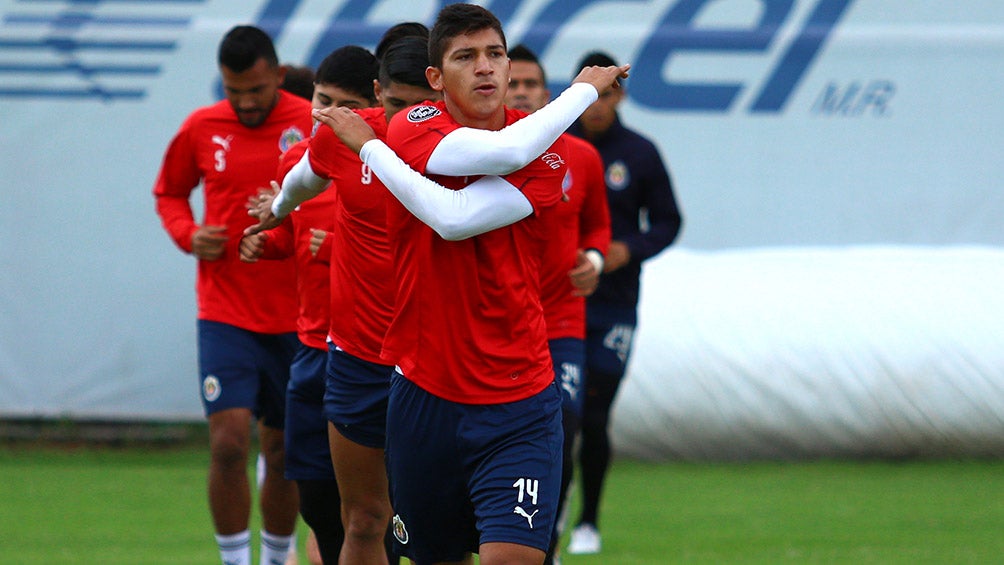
x=232, y=162
x=292, y=239
x=362, y=278
x=582, y=221
x=468, y=324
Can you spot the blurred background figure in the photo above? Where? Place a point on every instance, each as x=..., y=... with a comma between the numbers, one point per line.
x=572, y=263
x=299, y=81
x=644, y=220
x=246, y=312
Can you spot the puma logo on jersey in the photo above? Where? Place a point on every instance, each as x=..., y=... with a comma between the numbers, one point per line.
x=223, y=142
x=552, y=160
x=529, y=517
x=422, y=113
x=220, y=155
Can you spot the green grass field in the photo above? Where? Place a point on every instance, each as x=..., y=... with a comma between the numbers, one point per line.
x=147, y=505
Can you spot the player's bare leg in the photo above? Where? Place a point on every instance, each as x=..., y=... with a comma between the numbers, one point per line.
x=499, y=553
x=229, y=491
x=280, y=502
x=362, y=483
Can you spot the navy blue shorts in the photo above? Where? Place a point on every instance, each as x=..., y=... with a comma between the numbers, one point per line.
x=569, y=357
x=463, y=475
x=308, y=457
x=355, y=397
x=244, y=369
x=609, y=337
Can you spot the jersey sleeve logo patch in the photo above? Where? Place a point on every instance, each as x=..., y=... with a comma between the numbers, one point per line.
x=422, y=113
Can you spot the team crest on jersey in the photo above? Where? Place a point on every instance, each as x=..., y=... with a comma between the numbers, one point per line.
x=618, y=176
x=400, y=532
x=211, y=388
x=422, y=113
x=290, y=137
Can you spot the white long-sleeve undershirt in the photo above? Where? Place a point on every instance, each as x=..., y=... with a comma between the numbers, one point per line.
x=300, y=184
x=484, y=205
x=470, y=151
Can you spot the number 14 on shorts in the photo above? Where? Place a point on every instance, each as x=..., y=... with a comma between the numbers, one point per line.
x=526, y=489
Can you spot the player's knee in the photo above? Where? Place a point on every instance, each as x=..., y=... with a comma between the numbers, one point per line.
x=367, y=521
x=229, y=452
x=272, y=445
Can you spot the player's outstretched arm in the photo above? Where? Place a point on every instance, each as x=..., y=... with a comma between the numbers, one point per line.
x=300, y=184
x=471, y=151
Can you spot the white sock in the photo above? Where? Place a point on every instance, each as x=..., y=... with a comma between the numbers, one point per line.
x=259, y=470
x=275, y=549
x=235, y=549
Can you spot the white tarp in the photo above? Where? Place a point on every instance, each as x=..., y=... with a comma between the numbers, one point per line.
x=787, y=353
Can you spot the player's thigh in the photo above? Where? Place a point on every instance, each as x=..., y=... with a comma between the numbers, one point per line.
x=228, y=371
x=508, y=553
x=230, y=435
x=515, y=453
x=355, y=397
x=433, y=518
x=361, y=472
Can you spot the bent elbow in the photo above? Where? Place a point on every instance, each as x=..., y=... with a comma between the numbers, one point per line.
x=452, y=230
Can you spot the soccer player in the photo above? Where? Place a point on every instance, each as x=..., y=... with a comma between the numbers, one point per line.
x=644, y=220
x=572, y=263
x=362, y=297
x=344, y=78
x=474, y=422
x=247, y=312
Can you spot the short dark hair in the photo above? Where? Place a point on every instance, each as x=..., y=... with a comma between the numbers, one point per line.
x=596, y=59
x=405, y=62
x=351, y=68
x=459, y=19
x=299, y=81
x=242, y=46
x=399, y=31
x=522, y=53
